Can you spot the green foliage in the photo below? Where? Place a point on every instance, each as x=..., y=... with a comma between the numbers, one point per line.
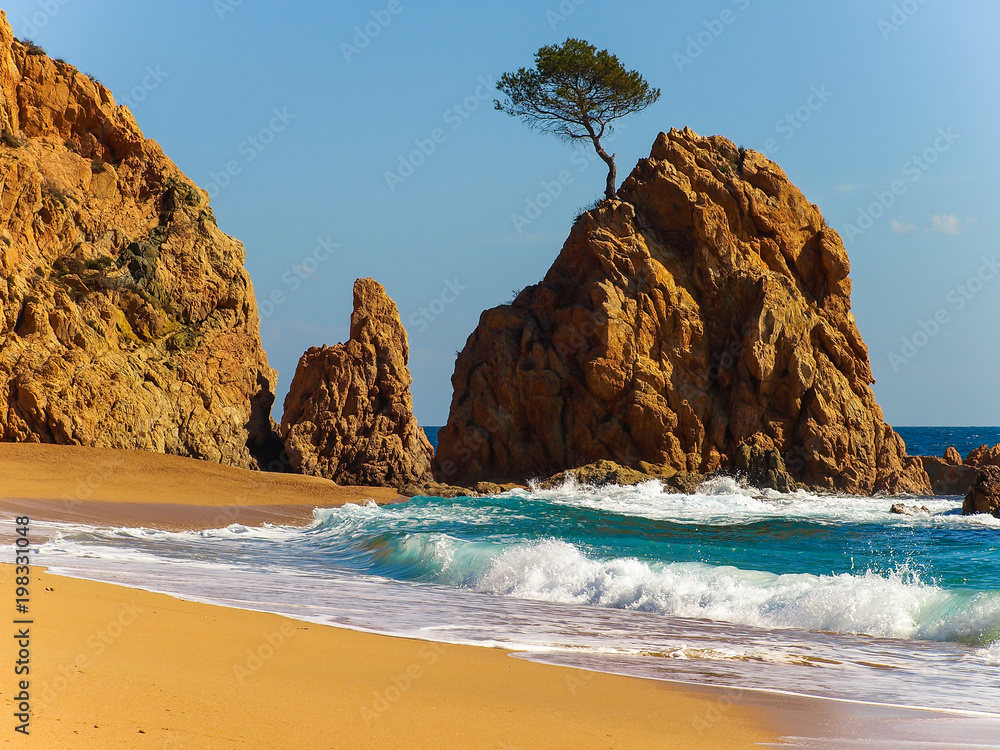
x=33, y=49
x=97, y=274
x=66, y=265
x=51, y=190
x=178, y=192
x=183, y=341
x=590, y=207
x=10, y=140
x=574, y=91
x=103, y=264
x=140, y=259
x=736, y=165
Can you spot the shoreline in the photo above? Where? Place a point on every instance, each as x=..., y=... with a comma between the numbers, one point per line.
x=719, y=716
x=118, y=667
x=551, y=658
x=722, y=717
x=121, y=667
x=155, y=676
x=114, y=487
x=69, y=475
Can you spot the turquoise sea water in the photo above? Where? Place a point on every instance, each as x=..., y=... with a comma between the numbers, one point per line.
x=829, y=596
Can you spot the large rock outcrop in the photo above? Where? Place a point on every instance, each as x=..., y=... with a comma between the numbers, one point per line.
x=127, y=319
x=348, y=413
x=706, y=308
x=983, y=496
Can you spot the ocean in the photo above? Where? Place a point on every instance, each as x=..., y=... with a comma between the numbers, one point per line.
x=934, y=441
x=826, y=596
x=920, y=441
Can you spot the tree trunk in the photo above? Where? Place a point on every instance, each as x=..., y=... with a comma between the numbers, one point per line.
x=610, y=190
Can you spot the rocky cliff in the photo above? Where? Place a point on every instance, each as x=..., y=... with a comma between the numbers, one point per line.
x=705, y=310
x=348, y=413
x=127, y=319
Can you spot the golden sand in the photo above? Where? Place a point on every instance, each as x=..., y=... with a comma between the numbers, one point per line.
x=114, y=667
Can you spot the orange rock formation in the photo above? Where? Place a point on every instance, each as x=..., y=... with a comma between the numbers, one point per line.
x=706, y=308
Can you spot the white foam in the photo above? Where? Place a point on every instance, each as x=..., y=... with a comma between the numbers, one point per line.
x=723, y=501
x=894, y=606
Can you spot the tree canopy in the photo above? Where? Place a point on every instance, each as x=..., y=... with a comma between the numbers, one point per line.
x=575, y=92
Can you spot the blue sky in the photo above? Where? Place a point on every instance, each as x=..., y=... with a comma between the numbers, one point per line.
x=883, y=113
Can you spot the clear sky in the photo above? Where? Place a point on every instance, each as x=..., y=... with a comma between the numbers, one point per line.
x=313, y=105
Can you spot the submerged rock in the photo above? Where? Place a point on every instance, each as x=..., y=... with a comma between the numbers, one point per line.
x=349, y=413
x=707, y=305
x=604, y=473
x=436, y=489
x=492, y=488
x=903, y=509
x=127, y=319
x=598, y=474
x=984, y=497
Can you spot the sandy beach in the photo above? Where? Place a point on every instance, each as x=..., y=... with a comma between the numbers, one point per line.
x=114, y=667
x=135, y=488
